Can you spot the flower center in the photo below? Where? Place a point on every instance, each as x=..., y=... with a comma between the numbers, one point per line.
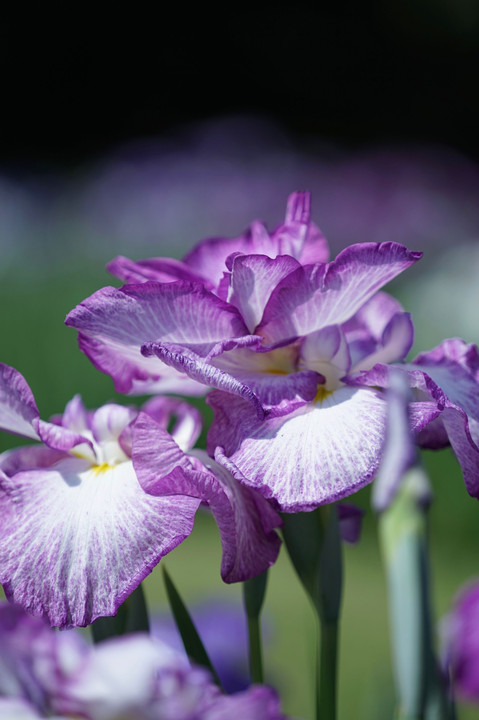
x=100, y=469
x=321, y=395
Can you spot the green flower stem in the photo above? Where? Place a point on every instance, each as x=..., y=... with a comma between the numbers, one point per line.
x=327, y=670
x=255, y=651
x=253, y=597
x=314, y=546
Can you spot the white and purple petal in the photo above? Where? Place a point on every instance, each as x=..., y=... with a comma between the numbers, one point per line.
x=245, y=520
x=453, y=395
x=315, y=296
x=326, y=351
x=318, y=454
x=298, y=236
x=395, y=343
x=114, y=324
x=372, y=318
x=208, y=258
x=19, y=414
x=76, y=540
x=18, y=409
x=185, y=419
x=253, y=278
x=196, y=368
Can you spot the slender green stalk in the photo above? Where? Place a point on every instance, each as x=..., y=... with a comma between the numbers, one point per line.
x=253, y=597
x=327, y=670
x=314, y=546
x=255, y=651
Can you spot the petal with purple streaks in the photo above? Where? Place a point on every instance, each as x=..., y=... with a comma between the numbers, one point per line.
x=76, y=539
x=245, y=520
x=18, y=409
x=114, y=324
x=319, y=295
x=253, y=278
x=163, y=270
x=320, y=453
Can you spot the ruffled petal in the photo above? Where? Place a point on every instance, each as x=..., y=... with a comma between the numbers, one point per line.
x=186, y=419
x=63, y=439
x=29, y=457
x=253, y=278
x=298, y=236
x=202, y=371
x=372, y=318
x=75, y=417
x=18, y=409
x=208, y=258
x=131, y=373
x=454, y=401
x=327, y=352
x=319, y=295
x=76, y=540
x=163, y=270
x=395, y=343
x=245, y=520
x=320, y=453
x=114, y=324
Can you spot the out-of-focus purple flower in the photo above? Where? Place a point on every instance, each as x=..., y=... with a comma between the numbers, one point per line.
x=460, y=640
x=223, y=629
x=47, y=674
x=78, y=532
x=350, y=520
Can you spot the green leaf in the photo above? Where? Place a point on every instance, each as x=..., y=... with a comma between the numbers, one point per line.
x=189, y=634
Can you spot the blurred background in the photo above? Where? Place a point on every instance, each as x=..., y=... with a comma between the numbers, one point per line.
x=142, y=135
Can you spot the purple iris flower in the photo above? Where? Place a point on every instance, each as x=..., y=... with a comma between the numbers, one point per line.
x=78, y=532
x=116, y=351
x=297, y=350
x=48, y=674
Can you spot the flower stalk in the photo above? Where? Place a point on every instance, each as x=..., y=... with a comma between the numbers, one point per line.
x=314, y=546
x=254, y=591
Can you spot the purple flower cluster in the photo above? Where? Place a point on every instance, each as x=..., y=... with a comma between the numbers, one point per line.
x=299, y=354
x=48, y=674
x=461, y=643
x=297, y=350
